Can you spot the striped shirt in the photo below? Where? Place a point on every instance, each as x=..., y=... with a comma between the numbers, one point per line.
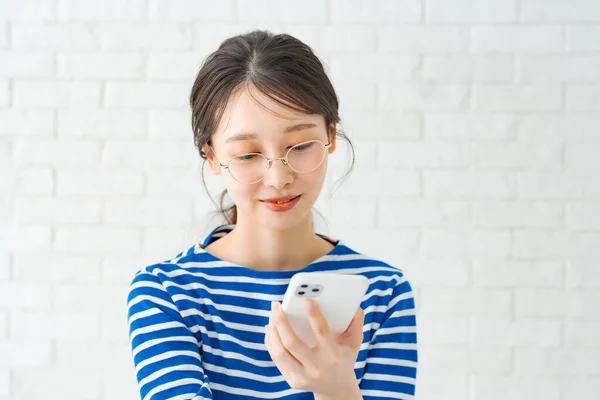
x=197, y=327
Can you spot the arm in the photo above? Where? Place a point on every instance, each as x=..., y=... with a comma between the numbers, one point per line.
x=391, y=365
x=165, y=353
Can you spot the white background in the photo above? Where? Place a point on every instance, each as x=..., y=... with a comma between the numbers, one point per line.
x=477, y=130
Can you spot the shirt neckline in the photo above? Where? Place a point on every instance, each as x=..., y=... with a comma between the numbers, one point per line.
x=313, y=266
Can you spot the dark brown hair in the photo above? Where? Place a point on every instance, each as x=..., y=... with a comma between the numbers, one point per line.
x=279, y=66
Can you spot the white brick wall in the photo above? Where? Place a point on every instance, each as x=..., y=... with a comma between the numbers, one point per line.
x=477, y=132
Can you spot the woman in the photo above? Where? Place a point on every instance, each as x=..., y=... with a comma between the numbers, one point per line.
x=208, y=324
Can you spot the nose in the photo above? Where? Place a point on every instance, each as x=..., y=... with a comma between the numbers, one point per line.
x=279, y=174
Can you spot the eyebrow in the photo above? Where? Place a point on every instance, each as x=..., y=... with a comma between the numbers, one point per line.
x=253, y=135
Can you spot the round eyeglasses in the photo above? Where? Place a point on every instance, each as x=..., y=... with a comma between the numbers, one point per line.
x=251, y=168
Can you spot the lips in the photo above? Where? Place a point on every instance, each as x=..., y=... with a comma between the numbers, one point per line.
x=280, y=200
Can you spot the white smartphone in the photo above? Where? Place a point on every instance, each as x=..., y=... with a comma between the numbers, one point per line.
x=338, y=296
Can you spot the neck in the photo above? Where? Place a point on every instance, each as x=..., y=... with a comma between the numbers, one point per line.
x=264, y=248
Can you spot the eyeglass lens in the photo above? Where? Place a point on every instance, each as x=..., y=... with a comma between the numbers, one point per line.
x=302, y=158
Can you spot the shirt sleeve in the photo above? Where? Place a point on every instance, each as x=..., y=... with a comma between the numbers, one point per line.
x=166, y=354
x=391, y=364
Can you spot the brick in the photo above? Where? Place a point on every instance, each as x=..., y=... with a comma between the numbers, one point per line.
x=373, y=68
x=61, y=325
x=56, y=94
x=389, y=11
x=517, y=39
x=472, y=359
x=466, y=184
x=289, y=11
x=548, y=185
x=491, y=272
x=108, y=10
x=26, y=122
x=164, y=243
x=26, y=65
x=382, y=124
x=553, y=362
x=89, y=298
x=518, y=98
x=583, y=98
x=121, y=268
x=432, y=154
x=67, y=384
x=56, y=153
x=582, y=333
x=114, y=328
x=360, y=96
x=148, y=212
x=191, y=10
x=173, y=125
x=556, y=303
x=537, y=245
x=575, y=129
x=467, y=302
x=3, y=35
x=583, y=216
x=373, y=242
x=56, y=268
x=26, y=10
x=443, y=384
x=529, y=155
x=467, y=69
x=532, y=332
x=443, y=330
x=423, y=39
x=423, y=213
x=581, y=388
x=25, y=296
x=365, y=152
x=333, y=39
x=423, y=97
x=472, y=126
x=5, y=94
x=175, y=181
x=146, y=95
x=107, y=356
x=101, y=123
x=30, y=238
x=97, y=240
x=556, y=10
x=473, y=11
x=34, y=180
x=100, y=66
x=377, y=183
x=367, y=218
x=148, y=154
x=174, y=66
x=517, y=388
x=461, y=243
x=558, y=68
x=442, y=272
x=17, y=353
x=522, y=214
x=3, y=324
x=582, y=274
x=154, y=36
x=49, y=36
x=106, y=181
x=57, y=210
x=585, y=37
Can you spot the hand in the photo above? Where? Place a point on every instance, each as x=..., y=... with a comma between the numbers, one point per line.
x=327, y=369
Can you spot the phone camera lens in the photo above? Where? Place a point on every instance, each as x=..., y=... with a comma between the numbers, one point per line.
x=315, y=290
x=304, y=286
x=300, y=293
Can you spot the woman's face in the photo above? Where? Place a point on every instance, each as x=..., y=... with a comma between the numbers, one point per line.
x=244, y=115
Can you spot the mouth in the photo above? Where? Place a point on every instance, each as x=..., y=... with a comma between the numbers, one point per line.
x=281, y=205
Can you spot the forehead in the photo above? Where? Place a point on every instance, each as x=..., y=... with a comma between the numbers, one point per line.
x=251, y=111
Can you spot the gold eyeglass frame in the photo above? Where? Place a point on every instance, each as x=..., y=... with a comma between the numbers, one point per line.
x=269, y=161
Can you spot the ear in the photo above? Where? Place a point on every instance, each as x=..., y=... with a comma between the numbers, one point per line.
x=213, y=164
x=332, y=137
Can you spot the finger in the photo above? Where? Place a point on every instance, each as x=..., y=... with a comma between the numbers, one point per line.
x=294, y=345
x=353, y=335
x=319, y=325
x=285, y=362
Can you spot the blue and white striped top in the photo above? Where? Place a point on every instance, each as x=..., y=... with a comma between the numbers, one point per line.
x=197, y=327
